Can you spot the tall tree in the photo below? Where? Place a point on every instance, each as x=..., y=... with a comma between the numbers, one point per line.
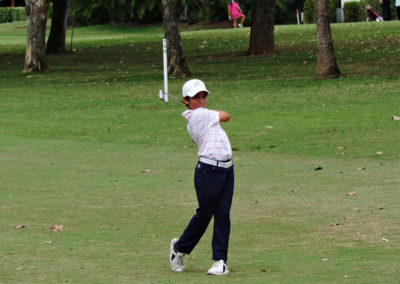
x=262, y=28
x=326, y=61
x=177, y=65
x=56, y=40
x=35, y=53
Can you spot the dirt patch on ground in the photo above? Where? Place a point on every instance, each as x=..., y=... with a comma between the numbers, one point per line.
x=206, y=25
x=209, y=25
x=203, y=25
x=185, y=26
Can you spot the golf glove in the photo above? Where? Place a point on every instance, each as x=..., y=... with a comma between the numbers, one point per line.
x=230, y=18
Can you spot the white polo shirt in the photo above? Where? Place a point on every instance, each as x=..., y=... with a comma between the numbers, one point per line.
x=204, y=129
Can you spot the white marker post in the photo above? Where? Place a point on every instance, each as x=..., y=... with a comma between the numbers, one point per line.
x=298, y=19
x=164, y=95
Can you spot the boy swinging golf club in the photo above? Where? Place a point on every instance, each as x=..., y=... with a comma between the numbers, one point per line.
x=214, y=180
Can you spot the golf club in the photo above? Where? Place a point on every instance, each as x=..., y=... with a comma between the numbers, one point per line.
x=164, y=95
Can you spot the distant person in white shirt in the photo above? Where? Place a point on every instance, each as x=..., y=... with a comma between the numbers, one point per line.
x=214, y=180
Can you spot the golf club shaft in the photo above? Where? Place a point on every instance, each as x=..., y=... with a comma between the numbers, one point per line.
x=177, y=99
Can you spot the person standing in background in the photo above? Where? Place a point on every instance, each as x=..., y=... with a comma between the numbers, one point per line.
x=385, y=4
x=235, y=12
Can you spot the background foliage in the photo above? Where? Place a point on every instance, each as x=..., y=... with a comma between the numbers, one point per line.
x=352, y=11
x=310, y=11
x=86, y=12
x=8, y=14
x=90, y=12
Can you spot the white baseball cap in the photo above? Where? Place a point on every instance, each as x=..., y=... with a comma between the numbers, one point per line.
x=193, y=87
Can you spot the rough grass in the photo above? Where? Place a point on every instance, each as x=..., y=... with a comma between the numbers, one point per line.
x=74, y=143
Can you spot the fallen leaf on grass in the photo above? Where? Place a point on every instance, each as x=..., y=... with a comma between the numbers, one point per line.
x=334, y=224
x=385, y=240
x=348, y=218
x=379, y=153
x=342, y=148
x=147, y=171
x=395, y=117
x=318, y=169
x=57, y=228
x=350, y=193
x=380, y=208
x=19, y=226
x=47, y=242
x=362, y=168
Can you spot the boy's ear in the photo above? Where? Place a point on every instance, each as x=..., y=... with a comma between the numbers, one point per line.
x=186, y=100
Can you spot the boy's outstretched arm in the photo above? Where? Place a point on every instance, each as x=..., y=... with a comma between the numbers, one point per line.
x=223, y=116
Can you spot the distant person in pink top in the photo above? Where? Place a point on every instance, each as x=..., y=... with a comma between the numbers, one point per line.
x=235, y=13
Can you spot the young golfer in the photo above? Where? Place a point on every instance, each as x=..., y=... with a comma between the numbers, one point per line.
x=213, y=180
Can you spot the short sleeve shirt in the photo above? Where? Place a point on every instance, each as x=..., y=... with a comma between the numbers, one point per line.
x=205, y=130
x=235, y=13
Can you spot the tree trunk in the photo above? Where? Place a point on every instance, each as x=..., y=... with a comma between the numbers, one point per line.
x=177, y=63
x=35, y=53
x=56, y=40
x=326, y=62
x=262, y=28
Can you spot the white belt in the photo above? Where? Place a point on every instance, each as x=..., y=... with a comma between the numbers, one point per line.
x=211, y=162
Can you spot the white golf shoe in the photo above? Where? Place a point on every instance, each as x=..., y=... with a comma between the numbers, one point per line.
x=240, y=26
x=218, y=268
x=176, y=259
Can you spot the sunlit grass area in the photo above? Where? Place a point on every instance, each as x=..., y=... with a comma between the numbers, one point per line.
x=90, y=146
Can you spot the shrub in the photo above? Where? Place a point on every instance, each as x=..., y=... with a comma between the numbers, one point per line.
x=332, y=5
x=352, y=11
x=310, y=11
x=4, y=15
x=8, y=14
x=21, y=13
x=13, y=15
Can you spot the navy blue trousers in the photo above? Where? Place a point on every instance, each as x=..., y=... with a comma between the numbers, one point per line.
x=214, y=189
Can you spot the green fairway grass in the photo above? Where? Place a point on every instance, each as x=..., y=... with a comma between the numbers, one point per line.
x=90, y=146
